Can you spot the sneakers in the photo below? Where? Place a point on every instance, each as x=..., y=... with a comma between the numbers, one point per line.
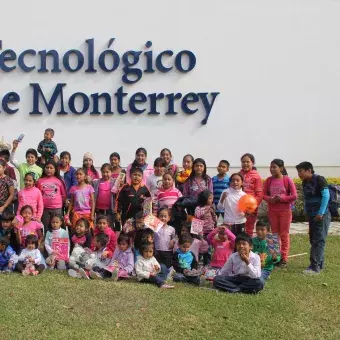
x=83, y=274
x=282, y=264
x=166, y=286
x=114, y=276
x=95, y=275
x=73, y=273
x=309, y=271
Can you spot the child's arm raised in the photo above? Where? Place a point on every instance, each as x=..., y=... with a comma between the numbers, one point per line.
x=11, y=158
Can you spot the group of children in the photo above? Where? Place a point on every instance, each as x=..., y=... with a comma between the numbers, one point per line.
x=102, y=225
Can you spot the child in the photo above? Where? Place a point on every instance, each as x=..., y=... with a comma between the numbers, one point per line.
x=55, y=232
x=280, y=192
x=154, y=181
x=183, y=175
x=316, y=196
x=103, y=257
x=29, y=166
x=47, y=148
x=8, y=257
x=115, y=163
x=139, y=162
x=148, y=270
x=260, y=246
x=102, y=226
x=233, y=217
x=9, y=232
x=82, y=203
x=198, y=180
x=131, y=196
x=30, y=260
x=25, y=226
x=6, y=190
x=242, y=272
x=252, y=185
x=222, y=241
x=198, y=245
x=32, y=196
x=184, y=261
x=169, y=165
x=102, y=193
x=205, y=212
x=10, y=172
x=123, y=259
x=220, y=183
x=164, y=238
x=135, y=226
x=81, y=234
x=167, y=195
x=53, y=192
x=67, y=172
x=89, y=169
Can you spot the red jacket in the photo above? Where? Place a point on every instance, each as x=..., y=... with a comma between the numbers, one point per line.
x=252, y=184
x=111, y=245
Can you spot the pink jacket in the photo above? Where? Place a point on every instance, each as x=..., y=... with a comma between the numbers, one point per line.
x=222, y=250
x=33, y=198
x=208, y=216
x=146, y=173
x=53, y=192
x=252, y=184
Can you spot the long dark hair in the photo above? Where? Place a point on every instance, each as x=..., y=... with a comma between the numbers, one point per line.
x=93, y=169
x=56, y=173
x=280, y=163
x=204, y=174
x=135, y=163
x=203, y=197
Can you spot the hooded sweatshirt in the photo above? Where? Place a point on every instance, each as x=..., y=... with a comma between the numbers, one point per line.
x=252, y=184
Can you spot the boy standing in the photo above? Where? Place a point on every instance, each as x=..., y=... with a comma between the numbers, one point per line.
x=316, y=195
x=220, y=183
x=242, y=271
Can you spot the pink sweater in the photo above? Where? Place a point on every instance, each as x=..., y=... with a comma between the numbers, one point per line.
x=53, y=192
x=165, y=197
x=222, y=250
x=33, y=198
x=252, y=184
x=208, y=216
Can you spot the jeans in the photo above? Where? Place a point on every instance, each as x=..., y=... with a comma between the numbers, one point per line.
x=318, y=231
x=160, y=278
x=265, y=274
x=179, y=277
x=238, y=284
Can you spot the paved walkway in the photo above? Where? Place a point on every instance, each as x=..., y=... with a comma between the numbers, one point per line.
x=302, y=228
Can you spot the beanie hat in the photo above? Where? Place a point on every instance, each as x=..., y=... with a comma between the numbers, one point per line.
x=88, y=155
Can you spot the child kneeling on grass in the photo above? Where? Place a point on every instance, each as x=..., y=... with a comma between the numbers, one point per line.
x=148, y=270
x=268, y=256
x=184, y=262
x=242, y=272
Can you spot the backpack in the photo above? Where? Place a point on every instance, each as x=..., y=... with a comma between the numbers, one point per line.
x=334, y=200
x=286, y=184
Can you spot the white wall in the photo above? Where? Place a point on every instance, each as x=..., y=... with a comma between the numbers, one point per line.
x=276, y=64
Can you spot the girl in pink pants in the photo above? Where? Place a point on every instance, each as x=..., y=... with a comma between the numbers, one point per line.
x=280, y=192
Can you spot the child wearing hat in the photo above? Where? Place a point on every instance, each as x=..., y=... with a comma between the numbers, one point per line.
x=89, y=169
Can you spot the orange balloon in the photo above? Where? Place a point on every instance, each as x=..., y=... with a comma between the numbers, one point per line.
x=247, y=204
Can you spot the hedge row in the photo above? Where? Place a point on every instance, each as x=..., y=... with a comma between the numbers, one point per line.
x=298, y=211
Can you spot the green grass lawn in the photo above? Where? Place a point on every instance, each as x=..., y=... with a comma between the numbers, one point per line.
x=292, y=306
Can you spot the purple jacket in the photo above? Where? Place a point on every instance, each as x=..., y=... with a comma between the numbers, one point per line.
x=125, y=259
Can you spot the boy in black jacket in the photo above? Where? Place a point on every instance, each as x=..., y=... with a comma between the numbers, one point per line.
x=184, y=262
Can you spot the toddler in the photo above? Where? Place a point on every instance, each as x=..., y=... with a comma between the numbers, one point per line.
x=184, y=261
x=53, y=235
x=8, y=257
x=148, y=270
x=30, y=261
x=47, y=148
x=164, y=239
x=242, y=272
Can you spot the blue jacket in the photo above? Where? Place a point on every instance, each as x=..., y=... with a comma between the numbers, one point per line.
x=8, y=254
x=70, y=180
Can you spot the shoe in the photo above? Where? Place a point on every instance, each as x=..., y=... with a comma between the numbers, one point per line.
x=83, y=274
x=95, y=275
x=309, y=271
x=73, y=273
x=166, y=286
x=282, y=264
x=114, y=276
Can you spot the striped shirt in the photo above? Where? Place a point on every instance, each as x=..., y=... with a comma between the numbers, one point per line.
x=219, y=185
x=166, y=197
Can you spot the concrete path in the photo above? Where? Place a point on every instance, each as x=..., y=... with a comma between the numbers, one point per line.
x=302, y=228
